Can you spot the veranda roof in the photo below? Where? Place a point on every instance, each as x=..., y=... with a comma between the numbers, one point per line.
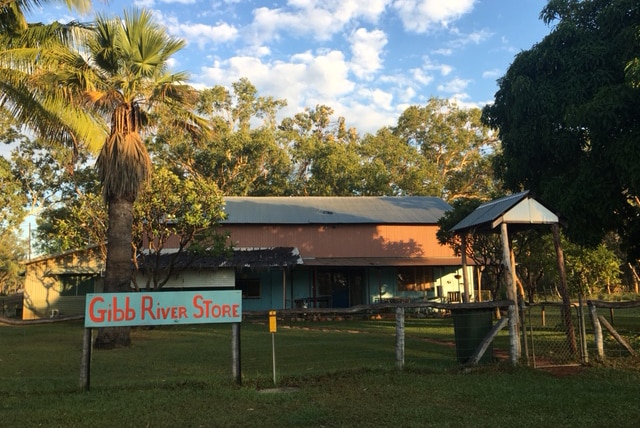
x=254, y=258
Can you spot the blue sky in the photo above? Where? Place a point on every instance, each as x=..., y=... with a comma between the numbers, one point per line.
x=367, y=59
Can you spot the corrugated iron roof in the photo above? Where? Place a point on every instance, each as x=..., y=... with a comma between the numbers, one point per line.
x=382, y=261
x=329, y=209
x=519, y=208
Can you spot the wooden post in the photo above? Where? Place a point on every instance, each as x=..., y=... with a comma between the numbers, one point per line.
x=522, y=316
x=514, y=337
x=597, y=331
x=85, y=365
x=236, y=369
x=477, y=355
x=617, y=336
x=400, y=337
x=465, y=276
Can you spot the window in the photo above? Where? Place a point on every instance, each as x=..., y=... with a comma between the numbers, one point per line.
x=250, y=287
x=76, y=285
x=415, y=278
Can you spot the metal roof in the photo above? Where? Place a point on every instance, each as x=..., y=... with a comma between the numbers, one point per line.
x=337, y=210
x=382, y=261
x=519, y=208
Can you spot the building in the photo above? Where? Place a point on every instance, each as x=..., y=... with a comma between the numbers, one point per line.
x=296, y=252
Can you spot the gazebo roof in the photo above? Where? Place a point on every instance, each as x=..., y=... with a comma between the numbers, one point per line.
x=520, y=208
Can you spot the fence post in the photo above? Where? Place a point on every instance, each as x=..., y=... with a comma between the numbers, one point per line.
x=85, y=364
x=400, y=337
x=583, y=331
x=525, y=351
x=235, y=352
x=514, y=334
x=597, y=330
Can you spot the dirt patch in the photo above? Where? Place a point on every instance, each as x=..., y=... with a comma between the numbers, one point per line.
x=281, y=390
x=562, y=371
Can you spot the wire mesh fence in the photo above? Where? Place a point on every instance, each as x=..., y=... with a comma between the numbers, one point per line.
x=554, y=335
x=594, y=331
x=316, y=343
x=615, y=329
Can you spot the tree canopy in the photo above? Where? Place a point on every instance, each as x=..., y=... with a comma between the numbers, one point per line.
x=567, y=115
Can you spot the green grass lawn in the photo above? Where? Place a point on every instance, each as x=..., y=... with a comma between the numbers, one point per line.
x=336, y=374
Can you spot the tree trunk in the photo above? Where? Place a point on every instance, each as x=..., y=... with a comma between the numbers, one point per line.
x=119, y=267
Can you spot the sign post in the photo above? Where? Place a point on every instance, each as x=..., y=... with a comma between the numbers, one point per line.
x=157, y=308
x=272, y=329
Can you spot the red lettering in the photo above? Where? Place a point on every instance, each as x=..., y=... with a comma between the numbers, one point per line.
x=96, y=315
x=113, y=312
x=196, y=304
x=122, y=314
x=146, y=305
x=163, y=313
x=182, y=312
x=207, y=309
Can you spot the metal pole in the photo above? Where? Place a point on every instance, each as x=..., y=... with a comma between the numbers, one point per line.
x=583, y=331
x=273, y=352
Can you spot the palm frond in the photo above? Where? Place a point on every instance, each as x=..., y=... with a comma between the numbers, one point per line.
x=12, y=12
x=49, y=109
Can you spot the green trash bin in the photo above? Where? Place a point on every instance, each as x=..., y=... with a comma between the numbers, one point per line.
x=471, y=326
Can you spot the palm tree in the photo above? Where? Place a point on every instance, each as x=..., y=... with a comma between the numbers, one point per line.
x=126, y=78
x=25, y=62
x=68, y=81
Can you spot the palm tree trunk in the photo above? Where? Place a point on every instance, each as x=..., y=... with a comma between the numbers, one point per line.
x=119, y=267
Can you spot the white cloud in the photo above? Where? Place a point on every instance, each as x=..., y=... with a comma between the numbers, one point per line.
x=203, y=34
x=421, y=77
x=366, y=48
x=376, y=98
x=407, y=94
x=473, y=38
x=318, y=19
x=422, y=15
x=454, y=86
x=443, y=51
x=478, y=37
x=491, y=74
x=366, y=118
x=178, y=1
x=198, y=34
x=423, y=74
x=144, y=4
x=304, y=77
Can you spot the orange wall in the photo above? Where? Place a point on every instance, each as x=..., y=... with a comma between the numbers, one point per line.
x=337, y=240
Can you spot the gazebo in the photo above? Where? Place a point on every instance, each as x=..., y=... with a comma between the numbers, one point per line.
x=515, y=211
